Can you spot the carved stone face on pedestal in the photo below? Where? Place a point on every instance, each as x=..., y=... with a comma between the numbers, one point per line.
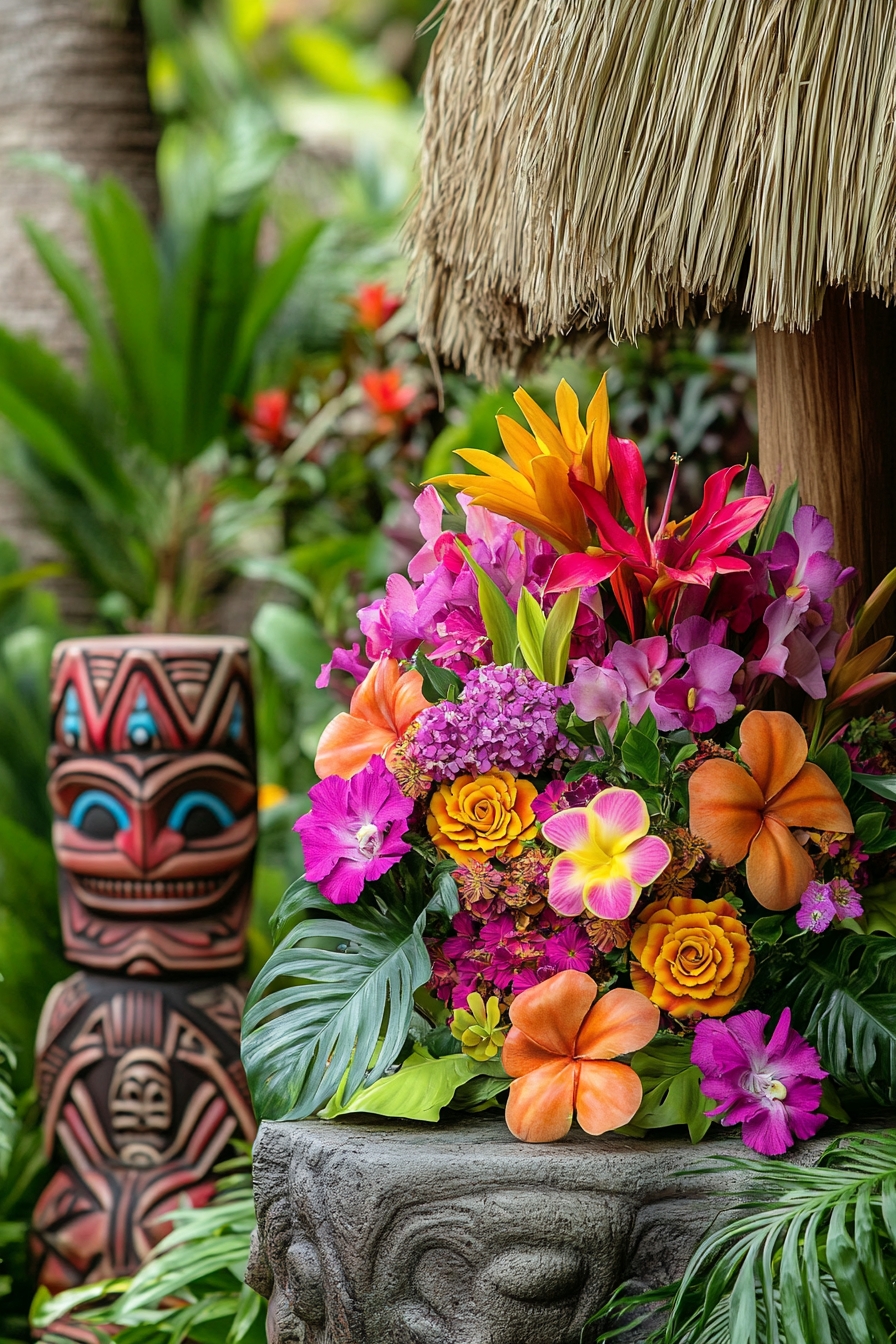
x=153, y=791
x=142, y=1086
x=383, y=1233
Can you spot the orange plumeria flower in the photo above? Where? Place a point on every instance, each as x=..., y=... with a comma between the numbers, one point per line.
x=743, y=815
x=561, y=1053
x=382, y=709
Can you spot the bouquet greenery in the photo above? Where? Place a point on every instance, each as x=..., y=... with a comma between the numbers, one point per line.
x=563, y=855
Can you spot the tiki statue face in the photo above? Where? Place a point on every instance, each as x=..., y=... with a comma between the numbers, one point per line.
x=153, y=791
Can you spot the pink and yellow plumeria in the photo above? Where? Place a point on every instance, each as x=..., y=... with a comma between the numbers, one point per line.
x=608, y=857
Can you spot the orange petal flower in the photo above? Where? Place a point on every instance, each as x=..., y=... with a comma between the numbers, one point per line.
x=559, y=1052
x=742, y=815
x=382, y=709
x=535, y=491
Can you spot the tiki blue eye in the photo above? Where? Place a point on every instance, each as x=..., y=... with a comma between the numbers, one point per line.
x=72, y=718
x=99, y=815
x=141, y=726
x=200, y=815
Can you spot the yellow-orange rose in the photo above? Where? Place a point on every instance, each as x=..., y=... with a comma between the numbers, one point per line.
x=479, y=817
x=694, y=956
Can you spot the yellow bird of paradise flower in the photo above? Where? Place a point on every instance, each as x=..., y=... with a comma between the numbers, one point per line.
x=535, y=491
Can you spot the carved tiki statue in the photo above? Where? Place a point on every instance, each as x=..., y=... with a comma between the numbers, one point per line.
x=152, y=782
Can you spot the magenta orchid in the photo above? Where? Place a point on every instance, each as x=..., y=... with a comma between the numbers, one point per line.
x=645, y=668
x=353, y=833
x=702, y=697
x=773, y=1090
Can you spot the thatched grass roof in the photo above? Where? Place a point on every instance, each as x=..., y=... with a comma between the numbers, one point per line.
x=619, y=163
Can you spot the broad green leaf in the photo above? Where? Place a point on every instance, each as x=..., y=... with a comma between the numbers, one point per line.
x=883, y=785
x=530, y=632
x=265, y=299
x=837, y=766
x=419, y=1090
x=292, y=642
x=557, y=636
x=779, y=517
x=847, y=1007
x=768, y=929
x=641, y=756
x=337, y=996
x=439, y=683
x=684, y=754
x=671, y=1086
x=497, y=614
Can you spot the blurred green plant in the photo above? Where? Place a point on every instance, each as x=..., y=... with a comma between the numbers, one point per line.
x=30, y=947
x=122, y=465
x=196, y=1271
x=22, y=1172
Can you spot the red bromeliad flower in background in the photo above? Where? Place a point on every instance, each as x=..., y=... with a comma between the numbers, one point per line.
x=266, y=421
x=647, y=572
x=385, y=392
x=374, y=305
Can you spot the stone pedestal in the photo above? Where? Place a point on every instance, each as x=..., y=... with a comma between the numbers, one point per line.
x=390, y=1233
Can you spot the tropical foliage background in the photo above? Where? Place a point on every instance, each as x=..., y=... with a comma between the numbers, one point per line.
x=239, y=448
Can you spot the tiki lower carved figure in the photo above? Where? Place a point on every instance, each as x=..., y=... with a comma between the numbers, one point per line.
x=152, y=782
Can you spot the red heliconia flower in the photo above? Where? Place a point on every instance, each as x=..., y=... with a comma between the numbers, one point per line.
x=692, y=551
x=386, y=393
x=266, y=421
x=374, y=305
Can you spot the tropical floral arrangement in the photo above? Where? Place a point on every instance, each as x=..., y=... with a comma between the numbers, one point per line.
x=565, y=856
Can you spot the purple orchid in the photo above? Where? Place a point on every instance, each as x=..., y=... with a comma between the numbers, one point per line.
x=800, y=563
x=645, y=667
x=816, y=908
x=597, y=694
x=440, y=547
x=846, y=900
x=353, y=832
x=569, y=950
x=772, y=1089
x=702, y=697
x=343, y=660
x=789, y=653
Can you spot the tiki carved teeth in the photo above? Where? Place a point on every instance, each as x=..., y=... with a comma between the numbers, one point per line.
x=139, y=890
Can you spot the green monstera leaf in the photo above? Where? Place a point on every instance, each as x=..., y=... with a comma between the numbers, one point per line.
x=335, y=999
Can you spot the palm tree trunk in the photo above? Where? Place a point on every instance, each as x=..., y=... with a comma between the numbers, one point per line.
x=72, y=83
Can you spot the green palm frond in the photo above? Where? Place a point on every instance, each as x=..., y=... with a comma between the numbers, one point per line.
x=337, y=995
x=810, y=1260
x=846, y=1006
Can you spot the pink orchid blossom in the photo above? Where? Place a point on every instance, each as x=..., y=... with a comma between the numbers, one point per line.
x=645, y=667
x=702, y=697
x=353, y=833
x=772, y=1089
x=597, y=694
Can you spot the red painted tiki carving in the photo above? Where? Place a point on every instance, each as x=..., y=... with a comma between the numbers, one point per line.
x=152, y=782
x=153, y=790
x=142, y=1086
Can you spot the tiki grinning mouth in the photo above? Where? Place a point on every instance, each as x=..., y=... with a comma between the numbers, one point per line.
x=135, y=889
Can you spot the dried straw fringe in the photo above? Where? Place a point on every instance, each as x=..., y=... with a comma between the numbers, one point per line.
x=610, y=162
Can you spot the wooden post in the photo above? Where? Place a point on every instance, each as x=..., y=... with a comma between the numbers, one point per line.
x=827, y=417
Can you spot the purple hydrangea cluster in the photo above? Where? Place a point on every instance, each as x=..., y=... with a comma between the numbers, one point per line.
x=506, y=719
